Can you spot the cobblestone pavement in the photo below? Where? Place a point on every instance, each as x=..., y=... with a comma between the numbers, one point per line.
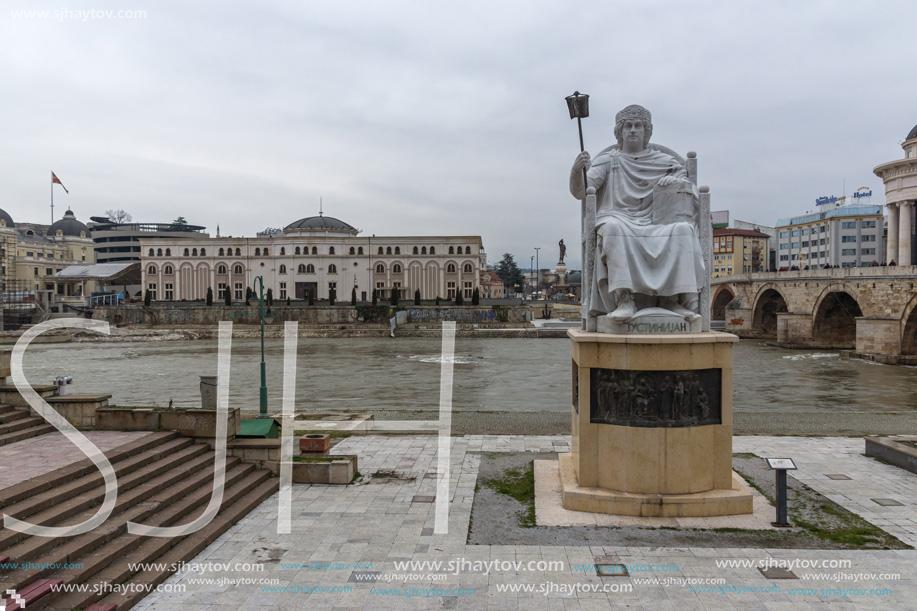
x=385, y=521
x=33, y=457
x=819, y=423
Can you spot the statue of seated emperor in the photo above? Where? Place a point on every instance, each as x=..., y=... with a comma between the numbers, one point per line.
x=647, y=251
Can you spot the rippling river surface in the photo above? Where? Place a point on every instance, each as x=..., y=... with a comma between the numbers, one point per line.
x=490, y=374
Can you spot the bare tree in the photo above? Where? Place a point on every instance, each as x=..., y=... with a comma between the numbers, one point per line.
x=118, y=216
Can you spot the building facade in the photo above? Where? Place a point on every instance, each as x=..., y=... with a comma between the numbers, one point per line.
x=314, y=255
x=900, y=178
x=845, y=236
x=120, y=242
x=33, y=253
x=738, y=251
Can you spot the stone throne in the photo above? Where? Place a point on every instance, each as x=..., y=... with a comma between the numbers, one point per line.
x=703, y=228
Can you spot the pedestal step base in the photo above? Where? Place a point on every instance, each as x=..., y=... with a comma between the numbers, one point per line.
x=738, y=500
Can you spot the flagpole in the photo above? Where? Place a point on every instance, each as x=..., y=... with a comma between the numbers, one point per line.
x=52, y=198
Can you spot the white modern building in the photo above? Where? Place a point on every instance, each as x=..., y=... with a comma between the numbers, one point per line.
x=312, y=255
x=843, y=235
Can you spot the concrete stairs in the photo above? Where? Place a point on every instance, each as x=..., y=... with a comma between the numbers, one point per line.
x=163, y=480
x=17, y=423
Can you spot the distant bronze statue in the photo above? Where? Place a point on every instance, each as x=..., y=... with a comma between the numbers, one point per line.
x=563, y=251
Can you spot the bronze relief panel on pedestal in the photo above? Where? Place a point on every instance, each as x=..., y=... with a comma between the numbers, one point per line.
x=656, y=398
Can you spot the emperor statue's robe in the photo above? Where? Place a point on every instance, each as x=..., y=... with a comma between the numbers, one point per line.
x=632, y=253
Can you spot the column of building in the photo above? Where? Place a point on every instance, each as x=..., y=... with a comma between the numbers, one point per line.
x=892, y=252
x=905, y=217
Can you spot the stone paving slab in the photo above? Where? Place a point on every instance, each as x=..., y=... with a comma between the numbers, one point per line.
x=36, y=456
x=373, y=527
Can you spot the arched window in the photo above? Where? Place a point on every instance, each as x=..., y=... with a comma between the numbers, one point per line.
x=331, y=250
x=468, y=250
x=415, y=250
x=314, y=250
x=388, y=250
x=450, y=269
x=397, y=250
x=302, y=268
x=360, y=250
x=423, y=250
x=467, y=268
x=432, y=250
x=283, y=269
x=221, y=252
x=353, y=250
x=451, y=250
x=167, y=270
x=203, y=252
x=396, y=268
x=310, y=269
x=186, y=252
x=152, y=252
x=193, y=252
x=238, y=252
x=332, y=269
x=151, y=270
x=267, y=252
x=380, y=269
x=381, y=251
x=257, y=252
x=283, y=250
x=297, y=251
x=221, y=269
x=237, y=269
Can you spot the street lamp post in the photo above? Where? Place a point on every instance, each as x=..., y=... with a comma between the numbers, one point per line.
x=537, y=269
x=269, y=318
x=532, y=267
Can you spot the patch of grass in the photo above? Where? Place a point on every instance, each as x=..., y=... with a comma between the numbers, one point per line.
x=751, y=482
x=356, y=475
x=520, y=485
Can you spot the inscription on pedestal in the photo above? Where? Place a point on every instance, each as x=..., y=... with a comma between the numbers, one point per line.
x=655, y=398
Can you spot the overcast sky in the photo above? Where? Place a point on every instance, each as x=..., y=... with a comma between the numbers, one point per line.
x=433, y=118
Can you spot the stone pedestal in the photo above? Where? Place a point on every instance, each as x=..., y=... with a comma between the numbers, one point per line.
x=652, y=426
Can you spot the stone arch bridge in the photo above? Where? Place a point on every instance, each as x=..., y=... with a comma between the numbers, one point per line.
x=869, y=310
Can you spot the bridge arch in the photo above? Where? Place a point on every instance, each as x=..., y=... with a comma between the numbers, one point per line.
x=724, y=294
x=769, y=302
x=834, y=317
x=909, y=327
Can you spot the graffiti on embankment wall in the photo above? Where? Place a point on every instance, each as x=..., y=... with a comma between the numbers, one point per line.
x=458, y=315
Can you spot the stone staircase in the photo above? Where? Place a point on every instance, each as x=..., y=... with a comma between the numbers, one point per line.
x=17, y=423
x=163, y=480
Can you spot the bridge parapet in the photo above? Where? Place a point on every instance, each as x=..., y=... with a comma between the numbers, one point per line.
x=903, y=271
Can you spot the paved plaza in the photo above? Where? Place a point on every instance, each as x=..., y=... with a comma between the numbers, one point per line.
x=348, y=544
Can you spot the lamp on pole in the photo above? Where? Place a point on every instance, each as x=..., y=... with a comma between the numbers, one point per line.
x=267, y=317
x=537, y=269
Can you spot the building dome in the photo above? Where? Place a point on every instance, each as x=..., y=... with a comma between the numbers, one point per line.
x=322, y=223
x=69, y=226
x=912, y=134
x=6, y=218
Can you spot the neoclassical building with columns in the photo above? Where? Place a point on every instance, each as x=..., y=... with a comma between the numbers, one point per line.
x=900, y=178
x=314, y=254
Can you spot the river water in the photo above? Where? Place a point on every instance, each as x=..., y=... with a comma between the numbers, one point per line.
x=489, y=374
